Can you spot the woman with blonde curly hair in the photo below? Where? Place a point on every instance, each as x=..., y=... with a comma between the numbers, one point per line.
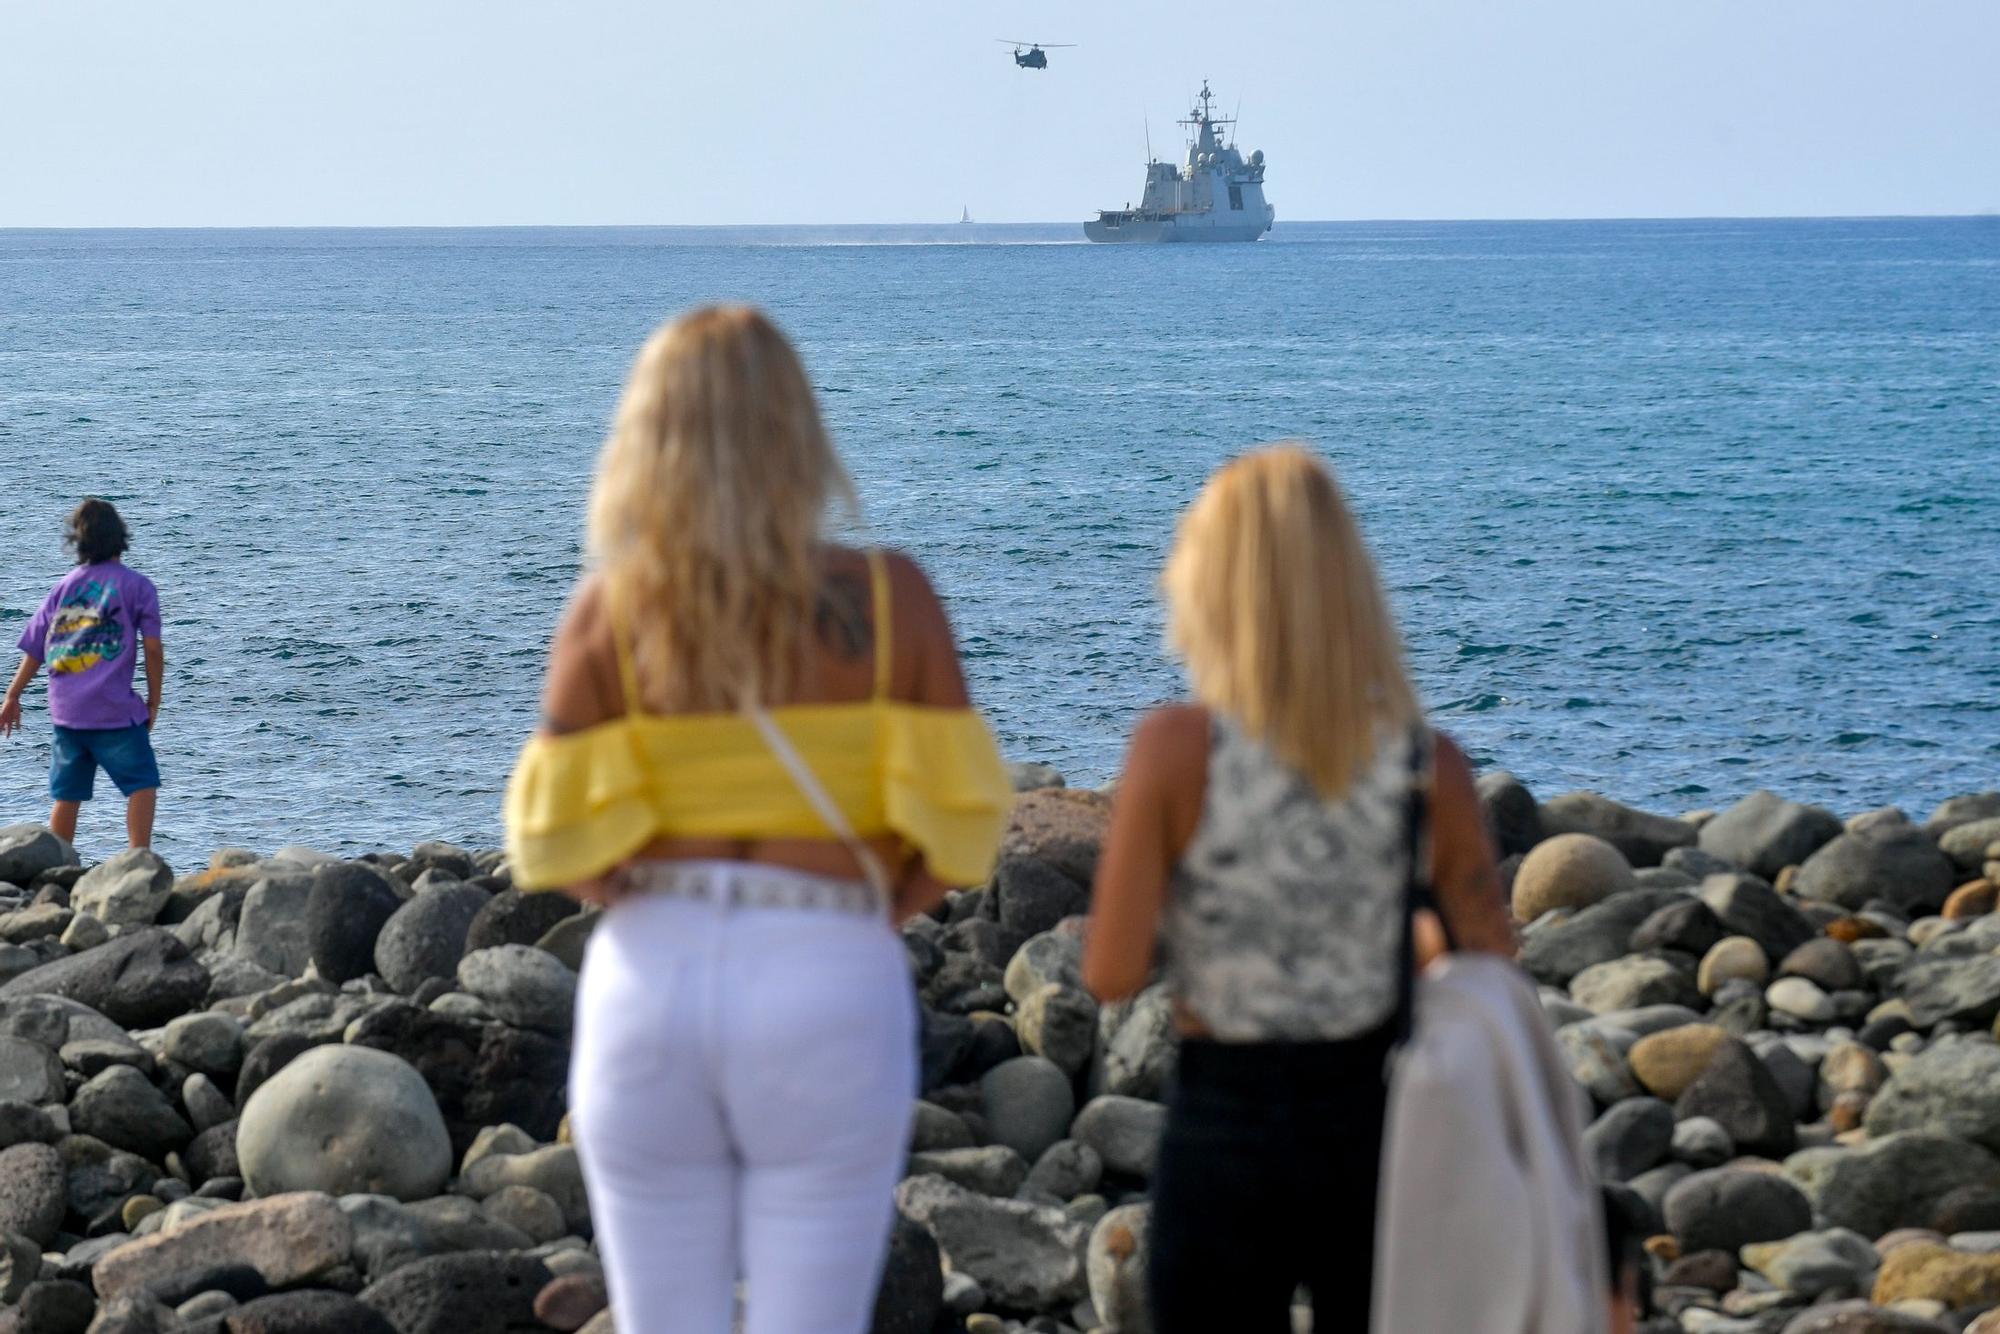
x=1265, y=837
x=757, y=755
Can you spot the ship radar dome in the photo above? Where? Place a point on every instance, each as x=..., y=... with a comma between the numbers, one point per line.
x=1257, y=158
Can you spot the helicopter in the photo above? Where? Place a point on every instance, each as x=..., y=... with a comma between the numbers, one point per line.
x=1036, y=56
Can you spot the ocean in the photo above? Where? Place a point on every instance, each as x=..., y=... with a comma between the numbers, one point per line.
x=1671, y=510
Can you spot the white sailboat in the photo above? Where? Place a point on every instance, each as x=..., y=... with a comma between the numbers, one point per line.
x=964, y=215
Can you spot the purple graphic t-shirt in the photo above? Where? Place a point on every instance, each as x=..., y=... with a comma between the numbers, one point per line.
x=88, y=632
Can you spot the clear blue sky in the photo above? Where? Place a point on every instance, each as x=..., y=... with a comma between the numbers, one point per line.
x=224, y=112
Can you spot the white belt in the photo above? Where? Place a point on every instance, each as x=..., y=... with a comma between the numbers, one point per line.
x=740, y=884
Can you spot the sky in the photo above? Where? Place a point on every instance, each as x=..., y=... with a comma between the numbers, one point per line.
x=447, y=112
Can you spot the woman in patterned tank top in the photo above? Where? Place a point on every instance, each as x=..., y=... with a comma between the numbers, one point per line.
x=1260, y=844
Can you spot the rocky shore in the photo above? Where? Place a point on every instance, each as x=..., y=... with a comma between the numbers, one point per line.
x=290, y=1094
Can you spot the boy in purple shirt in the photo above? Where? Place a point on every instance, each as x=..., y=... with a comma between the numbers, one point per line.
x=88, y=631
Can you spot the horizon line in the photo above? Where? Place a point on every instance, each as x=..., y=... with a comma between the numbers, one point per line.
x=954, y=222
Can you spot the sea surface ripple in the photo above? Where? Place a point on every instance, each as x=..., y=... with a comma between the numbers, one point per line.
x=1672, y=510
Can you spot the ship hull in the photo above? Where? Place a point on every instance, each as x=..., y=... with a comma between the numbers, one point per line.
x=1160, y=232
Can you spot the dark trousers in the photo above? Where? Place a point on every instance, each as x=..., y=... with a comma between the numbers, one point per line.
x=1266, y=1181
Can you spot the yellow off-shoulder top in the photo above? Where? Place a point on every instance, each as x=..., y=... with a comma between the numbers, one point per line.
x=580, y=803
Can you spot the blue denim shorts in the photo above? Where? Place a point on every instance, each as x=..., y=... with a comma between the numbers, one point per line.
x=124, y=753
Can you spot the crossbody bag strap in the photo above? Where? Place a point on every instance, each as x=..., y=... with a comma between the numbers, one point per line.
x=818, y=798
x=1419, y=892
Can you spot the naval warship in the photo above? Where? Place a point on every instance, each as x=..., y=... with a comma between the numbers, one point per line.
x=1216, y=195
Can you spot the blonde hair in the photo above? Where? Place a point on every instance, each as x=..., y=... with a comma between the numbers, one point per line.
x=1274, y=605
x=706, y=516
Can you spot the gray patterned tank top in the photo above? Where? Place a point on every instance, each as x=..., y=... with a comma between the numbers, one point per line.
x=1286, y=911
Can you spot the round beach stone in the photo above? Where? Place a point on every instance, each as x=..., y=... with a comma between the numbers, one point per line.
x=1828, y=964
x=1689, y=926
x=1631, y=983
x=122, y=1107
x=1732, y=958
x=1060, y=1023
x=1633, y=1136
x=1800, y=999
x=1669, y=1061
x=1975, y=898
x=523, y=986
x=1125, y=1132
x=344, y=1120
x=1568, y=871
x=425, y=938
x=533, y=1212
x=1727, y=1208
x=1927, y=1270
x=346, y=909
x=1028, y=1104
x=1700, y=1141
x=1115, y=1265
x=209, y=1042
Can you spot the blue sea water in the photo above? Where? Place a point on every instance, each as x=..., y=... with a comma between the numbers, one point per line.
x=1672, y=510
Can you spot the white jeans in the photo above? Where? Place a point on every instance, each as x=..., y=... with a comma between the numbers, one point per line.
x=740, y=1093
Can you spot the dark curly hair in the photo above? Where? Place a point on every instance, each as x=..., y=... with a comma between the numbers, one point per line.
x=97, y=532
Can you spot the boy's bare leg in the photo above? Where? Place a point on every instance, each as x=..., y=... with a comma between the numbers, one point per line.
x=62, y=819
x=139, y=808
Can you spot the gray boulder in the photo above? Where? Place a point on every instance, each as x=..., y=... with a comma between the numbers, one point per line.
x=1964, y=989
x=345, y=1120
x=513, y=917
x=1951, y=813
x=33, y=1195
x=1749, y=907
x=1512, y=817
x=1632, y=982
x=489, y=1291
x=142, y=979
x=208, y=1042
x=1067, y=1170
x=1137, y=1046
x=425, y=938
x=271, y=925
x=1051, y=958
x=1738, y=1093
x=1764, y=833
x=27, y=850
x=1896, y=1181
x=1897, y=863
x=1728, y=1208
x=1630, y=1138
x=1643, y=837
x=1060, y=1023
x=122, y=1108
x=127, y=890
x=389, y=1234
x=1028, y=1258
x=1032, y=895
x=1966, y=844
x=523, y=986
x=1950, y=1089
x=286, y=1239
x=1556, y=951
x=345, y=912
x=29, y=1072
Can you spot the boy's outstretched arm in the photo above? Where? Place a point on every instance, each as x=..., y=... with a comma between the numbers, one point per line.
x=156, y=676
x=10, y=709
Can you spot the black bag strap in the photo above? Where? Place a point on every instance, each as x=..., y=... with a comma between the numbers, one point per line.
x=1419, y=893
